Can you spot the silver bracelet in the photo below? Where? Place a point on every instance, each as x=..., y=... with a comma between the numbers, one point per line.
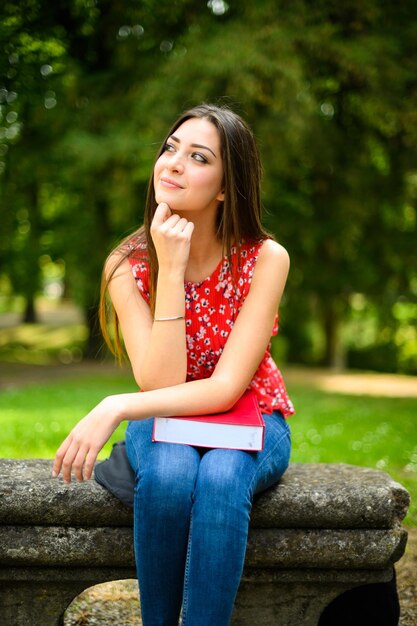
x=168, y=319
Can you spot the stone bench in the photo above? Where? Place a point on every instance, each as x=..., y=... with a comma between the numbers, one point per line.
x=323, y=530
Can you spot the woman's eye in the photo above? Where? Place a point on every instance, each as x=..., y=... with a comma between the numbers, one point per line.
x=199, y=157
x=169, y=147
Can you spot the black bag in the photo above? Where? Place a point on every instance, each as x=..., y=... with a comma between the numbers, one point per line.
x=116, y=475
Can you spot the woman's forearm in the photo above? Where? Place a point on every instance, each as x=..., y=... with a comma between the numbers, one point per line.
x=79, y=450
x=199, y=397
x=156, y=350
x=165, y=361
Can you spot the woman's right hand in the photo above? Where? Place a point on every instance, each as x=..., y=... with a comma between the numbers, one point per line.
x=171, y=235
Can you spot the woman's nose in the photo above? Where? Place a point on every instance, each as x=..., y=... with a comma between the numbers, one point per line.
x=176, y=163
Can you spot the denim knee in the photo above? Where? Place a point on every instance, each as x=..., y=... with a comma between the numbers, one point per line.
x=165, y=473
x=223, y=485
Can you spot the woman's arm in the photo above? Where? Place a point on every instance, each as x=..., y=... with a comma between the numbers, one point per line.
x=234, y=371
x=156, y=350
x=241, y=356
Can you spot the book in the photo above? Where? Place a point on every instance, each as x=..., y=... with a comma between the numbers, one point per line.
x=240, y=428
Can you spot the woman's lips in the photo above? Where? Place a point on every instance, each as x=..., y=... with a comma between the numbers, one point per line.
x=168, y=182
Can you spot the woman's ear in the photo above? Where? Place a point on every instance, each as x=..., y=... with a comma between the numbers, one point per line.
x=220, y=196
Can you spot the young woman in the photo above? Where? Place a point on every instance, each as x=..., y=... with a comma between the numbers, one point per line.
x=196, y=292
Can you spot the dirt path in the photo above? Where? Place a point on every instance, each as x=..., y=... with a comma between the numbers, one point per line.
x=356, y=383
x=14, y=375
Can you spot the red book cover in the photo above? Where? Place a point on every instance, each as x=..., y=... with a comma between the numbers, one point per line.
x=240, y=428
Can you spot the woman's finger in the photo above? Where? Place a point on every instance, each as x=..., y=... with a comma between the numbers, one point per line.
x=189, y=229
x=68, y=461
x=79, y=464
x=162, y=213
x=59, y=456
x=170, y=222
x=181, y=224
x=89, y=463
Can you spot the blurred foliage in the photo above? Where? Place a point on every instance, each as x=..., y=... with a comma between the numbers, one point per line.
x=88, y=87
x=41, y=344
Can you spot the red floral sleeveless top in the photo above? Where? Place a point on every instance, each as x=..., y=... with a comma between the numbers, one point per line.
x=211, y=308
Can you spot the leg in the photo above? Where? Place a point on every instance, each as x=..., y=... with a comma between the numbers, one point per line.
x=165, y=481
x=226, y=483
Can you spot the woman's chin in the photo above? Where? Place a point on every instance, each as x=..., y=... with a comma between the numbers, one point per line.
x=162, y=196
x=165, y=197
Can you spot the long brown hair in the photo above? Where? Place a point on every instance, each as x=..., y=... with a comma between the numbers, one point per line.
x=238, y=216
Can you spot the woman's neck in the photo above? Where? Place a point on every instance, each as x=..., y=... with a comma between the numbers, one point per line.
x=204, y=246
x=206, y=251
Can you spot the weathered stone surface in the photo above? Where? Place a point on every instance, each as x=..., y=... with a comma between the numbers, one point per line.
x=351, y=577
x=32, y=597
x=66, y=546
x=31, y=604
x=95, y=575
x=275, y=548
x=332, y=549
x=313, y=495
x=296, y=604
x=324, y=529
x=39, y=597
x=308, y=496
x=29, y=495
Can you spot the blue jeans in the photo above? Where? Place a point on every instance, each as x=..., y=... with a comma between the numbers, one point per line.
x=191, y=517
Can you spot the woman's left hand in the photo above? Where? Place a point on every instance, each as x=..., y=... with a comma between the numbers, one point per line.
x=80, y=449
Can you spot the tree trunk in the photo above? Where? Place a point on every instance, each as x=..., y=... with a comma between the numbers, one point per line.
x=29, y=315
x=334, y=355
x=94, y=347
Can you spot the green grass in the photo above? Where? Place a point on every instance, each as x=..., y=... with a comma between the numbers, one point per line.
x=41, y=344
x=36, y=418
x=360, y=430
x=333, y=428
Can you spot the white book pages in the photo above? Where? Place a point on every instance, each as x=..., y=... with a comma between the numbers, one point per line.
x=208, y=435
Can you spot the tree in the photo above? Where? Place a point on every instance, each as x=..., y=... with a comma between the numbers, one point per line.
x=27, y=95
x=329, y=89
x=85, y=126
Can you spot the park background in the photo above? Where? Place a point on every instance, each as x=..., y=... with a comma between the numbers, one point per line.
x=87, y=91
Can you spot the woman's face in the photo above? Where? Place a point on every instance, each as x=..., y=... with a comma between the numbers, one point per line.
x=188, y=175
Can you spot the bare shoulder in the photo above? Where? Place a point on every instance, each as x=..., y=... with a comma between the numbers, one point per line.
x=273, y=254
x=116, y=264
